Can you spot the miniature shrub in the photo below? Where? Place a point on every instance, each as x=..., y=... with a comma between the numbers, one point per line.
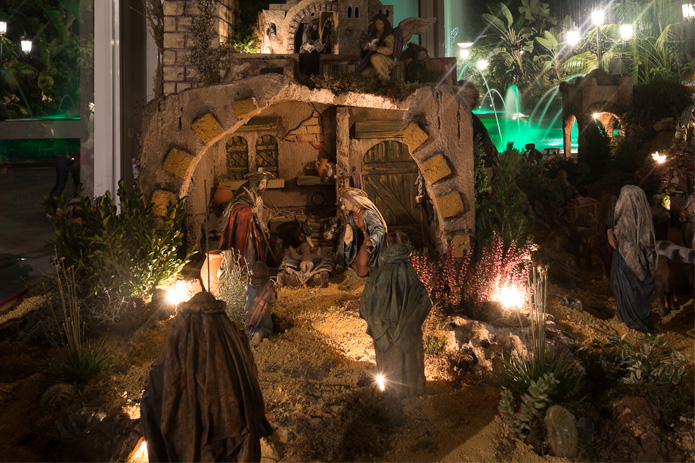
x=78, y=361
x=647, y=364
x=660, y=98
x=520, y=371
x=372, y=418
x=241, y=43
x=595, y=149
x=534, y=403
x=482, y=184
x=232, y=290
x=455, y=283
x=435, y=344
x=77, y=364
x=126, y=250
x=505, y=210
x=626, y=155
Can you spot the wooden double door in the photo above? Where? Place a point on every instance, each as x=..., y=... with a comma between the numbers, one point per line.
x=391, y=184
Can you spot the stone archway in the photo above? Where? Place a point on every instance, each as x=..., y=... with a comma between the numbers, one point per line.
x=295, y=17
x=596, y=93
x=182, y=132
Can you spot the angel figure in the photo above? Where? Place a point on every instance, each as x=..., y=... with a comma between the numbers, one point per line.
x=382, y=45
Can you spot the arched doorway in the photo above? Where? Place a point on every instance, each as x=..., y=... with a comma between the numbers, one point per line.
x=391, y=184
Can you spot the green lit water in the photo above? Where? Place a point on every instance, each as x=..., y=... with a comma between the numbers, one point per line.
x=520, y=131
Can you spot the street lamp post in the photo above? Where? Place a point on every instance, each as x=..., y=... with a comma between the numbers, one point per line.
x=26, y=45
x=573, y=37
x=688, y=11
x=597, y=17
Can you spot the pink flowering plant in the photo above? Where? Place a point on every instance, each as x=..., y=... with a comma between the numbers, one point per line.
x=466, y=282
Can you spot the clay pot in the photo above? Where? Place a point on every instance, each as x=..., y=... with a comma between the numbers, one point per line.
x=322, y=167
x=215, y=260
x=223, y=194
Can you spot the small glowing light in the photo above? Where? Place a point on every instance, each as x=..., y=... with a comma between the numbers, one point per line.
x=688, y=10
x=596, y=115
x=482, y=64
x=597, y=17
x=26, y=45
x=464, y=53
x=177, y=293
x=3, y=27
x=510, y=297
x=380, y=381
x=140, y=452
x=573, y=37
x=626, y=31
x=659, y=158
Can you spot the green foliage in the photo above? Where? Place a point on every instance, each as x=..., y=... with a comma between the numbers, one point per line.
x=206, y=58
x=482, y=186
x=154, y=12
x=124, y=250
x=626, y=155
x=649, y=363
x=244, y=43
x=505, y=210
x=658, y=99
x=513, y=39
x=77, y=362
x=435, y=344
x=534, y=402
x=520, y=371
x=47, y=80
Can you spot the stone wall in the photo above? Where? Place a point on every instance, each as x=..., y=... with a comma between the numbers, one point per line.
x=179, y=15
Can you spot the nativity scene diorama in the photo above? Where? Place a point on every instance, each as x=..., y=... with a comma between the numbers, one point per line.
x=280, y=151
x=345, y=247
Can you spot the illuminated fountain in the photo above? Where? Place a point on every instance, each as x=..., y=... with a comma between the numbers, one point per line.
x=506, y=122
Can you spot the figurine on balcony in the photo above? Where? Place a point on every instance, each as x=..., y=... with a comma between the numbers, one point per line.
x=377, y=49
x=311, y=41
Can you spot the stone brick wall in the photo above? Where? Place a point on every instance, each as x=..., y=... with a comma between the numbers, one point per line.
x=178, y=38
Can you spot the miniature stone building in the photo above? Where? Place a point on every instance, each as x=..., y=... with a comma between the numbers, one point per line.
x=207, y=136
x=282, y=25
x=595, y=96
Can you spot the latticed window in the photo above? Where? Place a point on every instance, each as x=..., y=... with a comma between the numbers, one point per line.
x=237, y=158
x=267, y=154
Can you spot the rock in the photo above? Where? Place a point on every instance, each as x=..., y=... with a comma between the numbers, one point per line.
x=571, y=303
x=640, y=423
x=57, y=396
x=586, y=425
x=285, y=435
x=562, y=431
x=110, y=439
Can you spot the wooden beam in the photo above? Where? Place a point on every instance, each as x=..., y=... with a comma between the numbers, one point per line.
x=260, y=124
x=378, y=129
